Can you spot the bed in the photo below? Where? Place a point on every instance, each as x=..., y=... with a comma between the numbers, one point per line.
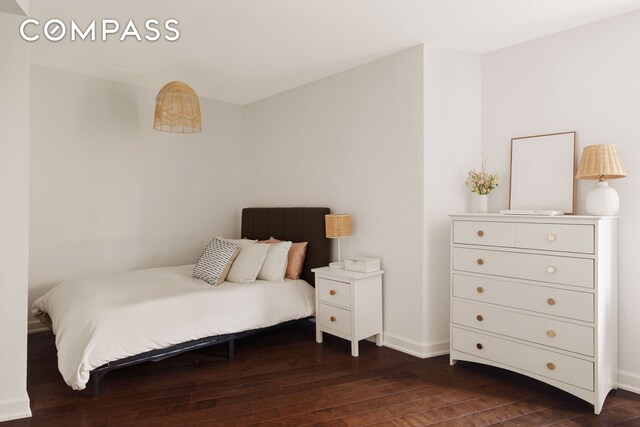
x=108, y=322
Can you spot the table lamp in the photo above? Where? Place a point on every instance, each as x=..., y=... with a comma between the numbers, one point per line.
x=337, y=226
x=601, y=162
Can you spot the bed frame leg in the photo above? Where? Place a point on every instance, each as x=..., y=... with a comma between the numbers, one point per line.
x=232, y=349
x=95, y=381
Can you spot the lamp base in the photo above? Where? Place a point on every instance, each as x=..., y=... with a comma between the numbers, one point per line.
x=336, y=265
x=602, y=200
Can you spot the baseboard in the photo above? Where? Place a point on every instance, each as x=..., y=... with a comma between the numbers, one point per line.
x=12, y=409
x=34, y=326
x=415, y=348
x=629, y=381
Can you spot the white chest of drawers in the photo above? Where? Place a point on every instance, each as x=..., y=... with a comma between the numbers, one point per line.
x=538, y=296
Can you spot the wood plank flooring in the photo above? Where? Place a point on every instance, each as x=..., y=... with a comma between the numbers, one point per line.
x=283, y=378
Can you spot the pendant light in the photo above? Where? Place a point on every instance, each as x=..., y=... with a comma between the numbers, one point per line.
x=177, y=109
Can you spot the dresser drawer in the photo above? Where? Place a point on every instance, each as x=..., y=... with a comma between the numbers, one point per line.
x=553, y=333
x=546, y=363
x=334, y=292
x=541, y=299
x=484, y=233
x=334, y=318
x=543, y=268
x=556, y=237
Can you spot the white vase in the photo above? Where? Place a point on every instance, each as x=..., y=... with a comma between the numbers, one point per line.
x=482, y=203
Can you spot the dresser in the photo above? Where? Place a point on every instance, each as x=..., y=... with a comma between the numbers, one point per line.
x=538, y=296
x=349, y=305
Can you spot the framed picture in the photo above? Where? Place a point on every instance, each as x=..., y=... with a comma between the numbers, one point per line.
x=543, y=170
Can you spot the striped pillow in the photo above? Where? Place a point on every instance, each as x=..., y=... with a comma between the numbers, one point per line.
x=215, y=261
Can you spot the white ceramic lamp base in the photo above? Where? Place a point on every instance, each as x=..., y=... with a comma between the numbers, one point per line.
x=336, y=265
x=602, y=200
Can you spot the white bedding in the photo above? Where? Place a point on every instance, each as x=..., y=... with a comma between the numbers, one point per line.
x=103, y=319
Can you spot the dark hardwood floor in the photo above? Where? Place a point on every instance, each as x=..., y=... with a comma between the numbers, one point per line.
x=283, y=377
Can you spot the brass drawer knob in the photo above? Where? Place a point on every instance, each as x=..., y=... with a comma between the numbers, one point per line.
x=332, y=292
x=551, y=333
x=479, y=318
x=333, y=318
x=551, y=301
x=479, y=346
x=551, y=237
x=480, y=289
x=551, y=366
x=480, y=233
x=480, y=261
x=551, y=269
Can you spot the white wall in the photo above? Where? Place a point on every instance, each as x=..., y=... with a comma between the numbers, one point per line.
x=388, y=142
x=453, y=135
x=108, y=193
x=587, y=80
x=352, y=142
x=14, y=222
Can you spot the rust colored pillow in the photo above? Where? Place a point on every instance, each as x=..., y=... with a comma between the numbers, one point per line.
x=297, y=254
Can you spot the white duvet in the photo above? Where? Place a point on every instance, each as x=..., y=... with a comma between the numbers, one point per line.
x=103, y=319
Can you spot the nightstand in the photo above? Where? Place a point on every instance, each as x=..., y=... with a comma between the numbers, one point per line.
x=349, y=305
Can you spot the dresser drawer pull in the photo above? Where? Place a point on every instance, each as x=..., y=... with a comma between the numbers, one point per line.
x=480, y=289
x=551, y=269
x=551, y=237
x=332, y=292
x=480, y=261
x=551, y=301
x=551, y=333
x=551, y=366
x=332, y=318
x=479, y=318
x=479, y=346
x=480, y=233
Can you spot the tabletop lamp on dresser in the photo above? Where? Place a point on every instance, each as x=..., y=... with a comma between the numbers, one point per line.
x=600, y=162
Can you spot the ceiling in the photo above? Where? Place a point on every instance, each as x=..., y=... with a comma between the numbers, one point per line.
x=240, y=51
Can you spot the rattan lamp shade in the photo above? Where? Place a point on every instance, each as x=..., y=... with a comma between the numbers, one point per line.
x=337, y=225
x=177, y=109
x=600, y=162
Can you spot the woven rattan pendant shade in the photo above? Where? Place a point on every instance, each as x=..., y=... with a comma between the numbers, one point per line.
x=600, y=162
x=177, y=109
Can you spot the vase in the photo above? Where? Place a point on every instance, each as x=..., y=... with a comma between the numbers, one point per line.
x=482, y=203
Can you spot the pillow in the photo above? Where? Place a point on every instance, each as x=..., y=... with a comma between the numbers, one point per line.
x=275, y=264
x=241, y=242
x=297, y=254
x=247, y=265
x=215, y=261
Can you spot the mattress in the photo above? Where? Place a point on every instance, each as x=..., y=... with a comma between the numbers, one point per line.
x=102, y=319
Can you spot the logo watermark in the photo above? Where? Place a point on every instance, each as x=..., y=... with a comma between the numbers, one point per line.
x=55, y=30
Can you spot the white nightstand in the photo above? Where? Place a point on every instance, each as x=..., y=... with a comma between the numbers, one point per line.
x=349, y=305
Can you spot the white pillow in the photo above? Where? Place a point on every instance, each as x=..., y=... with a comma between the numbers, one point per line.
x=240, y=242
x=247, y=265
x=275, y=265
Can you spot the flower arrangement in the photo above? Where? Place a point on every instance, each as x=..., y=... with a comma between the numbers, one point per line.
x=481, y=182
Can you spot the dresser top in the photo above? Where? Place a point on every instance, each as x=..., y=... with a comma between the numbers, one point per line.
x=539, y=217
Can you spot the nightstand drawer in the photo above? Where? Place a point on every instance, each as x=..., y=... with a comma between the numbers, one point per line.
x=543, y=268
x=334, y=318
x=559, y=367
x=553, y=333
x=484, y=233
x=334, y=292
x=541, y=299
x=556, y=237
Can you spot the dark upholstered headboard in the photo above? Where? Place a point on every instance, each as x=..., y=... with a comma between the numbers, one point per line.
x=294, y=224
